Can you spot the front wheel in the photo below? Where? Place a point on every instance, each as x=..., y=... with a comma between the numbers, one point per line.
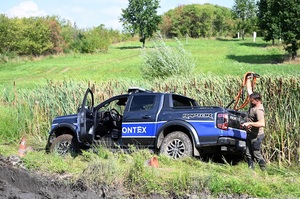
x=63, y=144
x=177, y=145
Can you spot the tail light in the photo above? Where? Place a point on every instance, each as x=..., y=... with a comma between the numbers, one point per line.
x=222, y=121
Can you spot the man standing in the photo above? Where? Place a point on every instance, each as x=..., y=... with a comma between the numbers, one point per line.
x=255, y=128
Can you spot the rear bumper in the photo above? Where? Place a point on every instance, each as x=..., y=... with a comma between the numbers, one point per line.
x=231, y=144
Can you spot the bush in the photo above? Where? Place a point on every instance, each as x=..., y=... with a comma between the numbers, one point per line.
x=7, y=56
x=165, y=61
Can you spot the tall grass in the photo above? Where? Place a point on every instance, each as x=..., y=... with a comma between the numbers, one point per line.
x=36, y=108
x=165, y=61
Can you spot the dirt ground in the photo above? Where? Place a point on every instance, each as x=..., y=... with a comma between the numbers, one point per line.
x=18, y=183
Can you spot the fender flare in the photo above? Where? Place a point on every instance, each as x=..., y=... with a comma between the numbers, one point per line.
x=72, y=127
x=52, y=134
x=191, y=130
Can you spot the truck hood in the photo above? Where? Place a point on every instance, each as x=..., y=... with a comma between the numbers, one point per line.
x=65, y=119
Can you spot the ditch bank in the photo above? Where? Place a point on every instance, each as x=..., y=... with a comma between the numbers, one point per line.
x=17, y=182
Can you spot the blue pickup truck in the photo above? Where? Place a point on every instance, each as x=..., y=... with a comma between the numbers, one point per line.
x=168, y=123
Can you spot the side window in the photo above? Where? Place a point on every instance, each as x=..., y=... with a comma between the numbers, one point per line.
x=118, y=104
x=142, y=103
x=180, y=101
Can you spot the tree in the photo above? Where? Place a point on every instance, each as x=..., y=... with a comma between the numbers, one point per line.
x=245, y=11
x=290, y=25
x=268, y=20
x=281, y=19
x=55, y=35
x=6, y=33
x=196, y=20
x=141, y=17
x=35, y=36
x=223, y=22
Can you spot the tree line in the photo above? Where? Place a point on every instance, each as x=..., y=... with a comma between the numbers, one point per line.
x=50, y=35
x=271, y=19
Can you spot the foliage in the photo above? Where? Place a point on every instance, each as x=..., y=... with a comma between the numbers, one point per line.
x=197, y=20
x=280, y=19
x=245, y=11
x=164, y=61
x=29, y=36
x=289, y=17
x=91, y=41
x=8, y=131
x=6, y=33
x=49, y=35
x=141, y=17
x=57, y=40
x=268, y=20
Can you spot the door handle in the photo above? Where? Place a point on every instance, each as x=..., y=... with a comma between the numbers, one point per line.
x=146, y=117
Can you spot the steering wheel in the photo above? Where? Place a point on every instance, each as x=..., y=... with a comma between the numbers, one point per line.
x=114, y=114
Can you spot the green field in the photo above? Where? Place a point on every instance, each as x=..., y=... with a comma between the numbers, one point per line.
x=219, y=57
x=34, y=90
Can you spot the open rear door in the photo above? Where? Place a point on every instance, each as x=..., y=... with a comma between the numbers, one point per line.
x=85, y=119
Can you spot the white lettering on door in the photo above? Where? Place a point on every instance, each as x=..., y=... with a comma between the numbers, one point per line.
x=135, y=129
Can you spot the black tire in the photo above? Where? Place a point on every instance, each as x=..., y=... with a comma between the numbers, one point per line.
x=63, y=144
x=177, y=145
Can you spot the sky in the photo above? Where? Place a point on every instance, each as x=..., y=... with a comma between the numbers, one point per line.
x=88, y=13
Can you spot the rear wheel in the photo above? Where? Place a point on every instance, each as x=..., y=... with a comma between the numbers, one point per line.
x=177, y=145
x=63, y=144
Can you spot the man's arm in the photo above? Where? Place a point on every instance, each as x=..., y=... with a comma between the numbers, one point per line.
x=248, y=85
x=259, y=123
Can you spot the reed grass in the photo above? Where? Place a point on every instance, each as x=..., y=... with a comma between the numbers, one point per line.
x=36, y=108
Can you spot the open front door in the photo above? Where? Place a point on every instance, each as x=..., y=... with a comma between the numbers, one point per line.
x=85, y=120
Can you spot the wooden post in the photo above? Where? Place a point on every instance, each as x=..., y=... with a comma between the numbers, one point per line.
x=254, y=36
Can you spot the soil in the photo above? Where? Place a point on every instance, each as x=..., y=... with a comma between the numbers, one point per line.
x=16, y=182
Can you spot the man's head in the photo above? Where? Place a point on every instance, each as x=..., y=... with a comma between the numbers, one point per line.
x=255, y=98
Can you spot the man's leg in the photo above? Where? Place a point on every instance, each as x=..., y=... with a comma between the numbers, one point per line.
x=256, y=144
x=249, y=154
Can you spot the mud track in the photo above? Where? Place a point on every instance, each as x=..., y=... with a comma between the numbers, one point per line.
x=19, y=183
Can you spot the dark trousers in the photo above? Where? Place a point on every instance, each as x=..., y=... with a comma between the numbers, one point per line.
x=253, y=145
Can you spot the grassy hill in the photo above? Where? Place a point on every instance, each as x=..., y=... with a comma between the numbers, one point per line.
x=219, y=57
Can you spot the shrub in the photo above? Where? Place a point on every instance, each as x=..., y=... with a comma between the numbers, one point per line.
x=165, y=61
